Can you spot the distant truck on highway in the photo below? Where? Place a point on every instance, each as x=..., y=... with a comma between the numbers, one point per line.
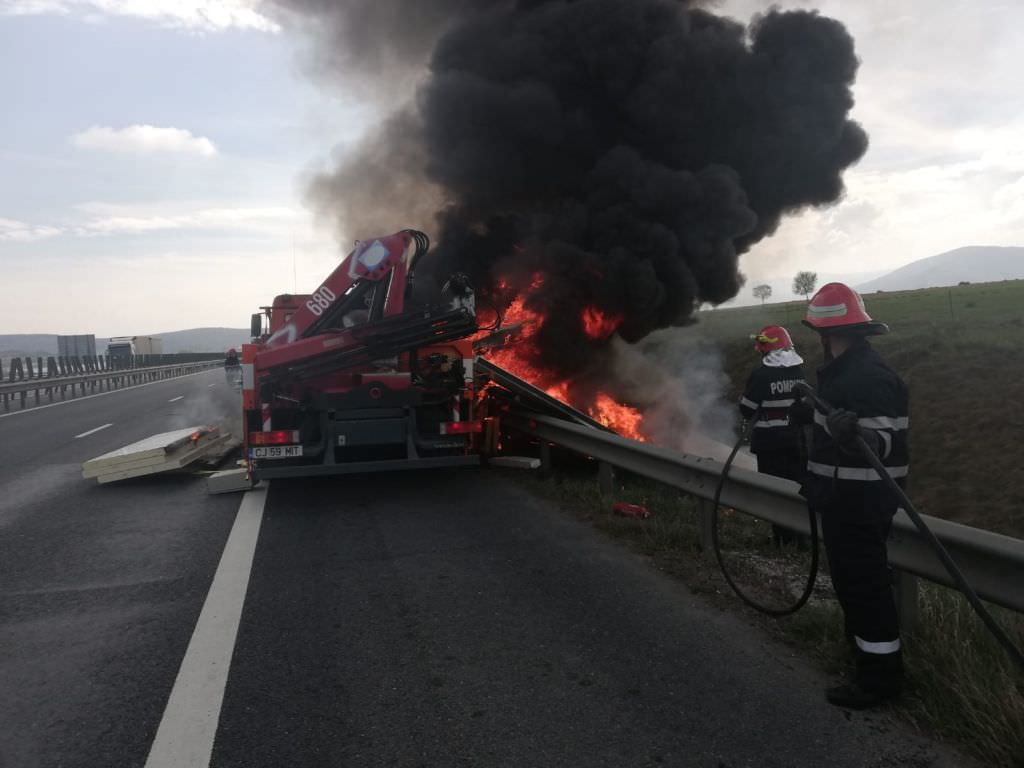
x=82, y=345
x=121, y=348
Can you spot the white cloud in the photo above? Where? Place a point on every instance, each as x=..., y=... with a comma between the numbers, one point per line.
x=106, y=219
x=143, y=139
x=19, y=231
x=193, y=15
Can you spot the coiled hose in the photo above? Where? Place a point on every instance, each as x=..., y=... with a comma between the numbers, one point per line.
x=812, y=519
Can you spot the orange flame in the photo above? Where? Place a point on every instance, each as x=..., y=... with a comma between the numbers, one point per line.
x=514, y=358
x=598, y=325
x=621, y=418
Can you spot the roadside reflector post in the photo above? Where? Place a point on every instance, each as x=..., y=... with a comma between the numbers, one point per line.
x=905, y=587
x=605, y=477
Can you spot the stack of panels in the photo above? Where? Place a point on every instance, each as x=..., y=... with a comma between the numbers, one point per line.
x=165, y=452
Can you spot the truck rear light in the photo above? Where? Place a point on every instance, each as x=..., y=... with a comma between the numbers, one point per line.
x=461, y=427
x=275, y=437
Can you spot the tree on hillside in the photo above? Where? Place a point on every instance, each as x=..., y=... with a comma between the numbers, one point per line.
x=804, y=283
x=762, y=292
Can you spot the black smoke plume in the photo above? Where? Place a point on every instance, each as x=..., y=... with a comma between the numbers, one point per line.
x=622, y=154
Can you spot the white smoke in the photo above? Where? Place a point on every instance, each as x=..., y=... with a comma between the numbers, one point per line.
x=675, y=377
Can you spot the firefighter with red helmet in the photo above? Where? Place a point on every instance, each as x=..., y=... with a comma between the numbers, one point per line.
x=870, y=401
x=767, y=399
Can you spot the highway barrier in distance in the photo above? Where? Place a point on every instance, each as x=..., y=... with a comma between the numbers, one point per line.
x=74, y=379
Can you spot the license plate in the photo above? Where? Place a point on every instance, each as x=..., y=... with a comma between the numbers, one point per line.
x=276, y=452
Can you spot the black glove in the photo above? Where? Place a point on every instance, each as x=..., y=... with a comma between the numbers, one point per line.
x=842, y=425
x=801, y=413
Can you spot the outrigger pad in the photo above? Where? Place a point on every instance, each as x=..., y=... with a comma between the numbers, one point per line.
x=229, y=481
x=165, y=452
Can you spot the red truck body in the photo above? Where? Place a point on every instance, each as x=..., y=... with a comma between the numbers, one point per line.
x=355, y=377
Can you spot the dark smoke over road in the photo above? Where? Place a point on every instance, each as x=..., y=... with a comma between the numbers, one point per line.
x=619, y=154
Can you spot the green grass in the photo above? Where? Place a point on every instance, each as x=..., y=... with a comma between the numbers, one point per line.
x=961, y=352
x=961, y=678
x=962, y=687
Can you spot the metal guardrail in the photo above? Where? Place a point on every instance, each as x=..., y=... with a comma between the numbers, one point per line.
x=992, y=563
x=23, y=368
x=79, y=385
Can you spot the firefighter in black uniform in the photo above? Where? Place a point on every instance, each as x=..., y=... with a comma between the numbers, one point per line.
x=871, y=401
x=232, y=367
x=767, y=399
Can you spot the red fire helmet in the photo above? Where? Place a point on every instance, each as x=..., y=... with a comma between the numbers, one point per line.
x=770, y=338
x=837, y=308
x=232, y=351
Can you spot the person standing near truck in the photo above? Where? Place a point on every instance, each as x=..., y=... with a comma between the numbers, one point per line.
x=766, y=399
x=232, y=367
x=871, y=402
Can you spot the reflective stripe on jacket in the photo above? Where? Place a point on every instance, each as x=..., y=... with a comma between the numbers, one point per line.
x=771, y=390
x=859, y=381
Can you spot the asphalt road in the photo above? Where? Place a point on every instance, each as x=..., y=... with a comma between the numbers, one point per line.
x=422, y=619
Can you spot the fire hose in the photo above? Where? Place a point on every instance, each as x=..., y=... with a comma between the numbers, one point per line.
x=957, y=576
x=812, y=520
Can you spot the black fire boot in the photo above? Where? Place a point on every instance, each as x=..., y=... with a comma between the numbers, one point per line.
x=853, y=696
x=879, y=679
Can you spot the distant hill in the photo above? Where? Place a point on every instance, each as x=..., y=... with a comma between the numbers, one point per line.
x=27, y=345
x=191, y=340
x=973, y=263
x=201, y=339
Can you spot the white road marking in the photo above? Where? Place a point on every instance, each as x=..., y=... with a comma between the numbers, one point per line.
x=189, y=725
x=212, y=385
x=176, y=399
x=93, y=431
x=98, y=394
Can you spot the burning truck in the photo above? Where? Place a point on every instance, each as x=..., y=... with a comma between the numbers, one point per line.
x=358, y=376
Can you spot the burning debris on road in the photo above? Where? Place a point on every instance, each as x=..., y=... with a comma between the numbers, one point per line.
x=597, y=167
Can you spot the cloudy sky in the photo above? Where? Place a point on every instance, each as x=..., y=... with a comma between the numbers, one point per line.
x=153, y=156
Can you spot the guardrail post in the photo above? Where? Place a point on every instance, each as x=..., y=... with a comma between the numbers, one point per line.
x=545, y=455
x=16, y=370
x=31, y=370
x=605, y=477
x=905, y=591
x=51, y=368
x=705, y=525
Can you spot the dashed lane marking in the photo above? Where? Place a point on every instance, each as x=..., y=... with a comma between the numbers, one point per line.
x=212, y=385
x=189, y=725
x=176, y=399
x=71, y=400
x=93, y=431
